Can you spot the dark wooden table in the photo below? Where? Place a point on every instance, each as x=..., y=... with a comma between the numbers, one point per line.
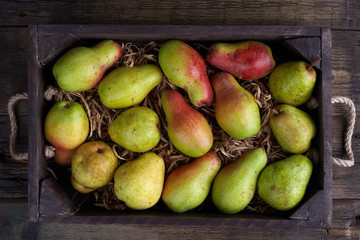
x=343, y=17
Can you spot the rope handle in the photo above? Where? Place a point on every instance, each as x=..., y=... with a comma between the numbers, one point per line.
x=50, y=150
x=349, y=132
x=13, y=125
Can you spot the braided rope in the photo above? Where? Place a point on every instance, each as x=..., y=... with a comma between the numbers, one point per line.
x=349, y=132
x=50, y=92
x=49, y=151
x=13, y=125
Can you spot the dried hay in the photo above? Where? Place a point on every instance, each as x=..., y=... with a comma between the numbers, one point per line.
x=227, y=148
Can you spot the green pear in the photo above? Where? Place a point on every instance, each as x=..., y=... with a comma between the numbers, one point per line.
x=188, y=186
x=247, y=60
x=188, y=129
x=235, y=185
x=186, y=68
x=293, y=128
x=125, y=87
x=292, y=82
x=136, y=129
x=93, y=166
x=81, y=68
x=282, y=184
x=139, y=183
x=236, y=110
x=66, y=127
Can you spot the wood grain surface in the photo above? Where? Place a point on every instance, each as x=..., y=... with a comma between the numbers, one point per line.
x=341, y=15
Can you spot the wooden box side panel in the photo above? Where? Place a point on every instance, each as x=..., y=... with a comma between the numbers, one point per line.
x=325, y=112
x=181, y=32
x=37, y=163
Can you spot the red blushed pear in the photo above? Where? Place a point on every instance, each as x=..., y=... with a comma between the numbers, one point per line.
x=188, y=129
x=186, y=68
x=188, y=186
x=236, y=110
x=82, y=68
x=247, y=60
x=66, y=127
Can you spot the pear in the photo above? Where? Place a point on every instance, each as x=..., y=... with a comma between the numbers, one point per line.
x=292, y=82
x=236, y=110
x=235, y=185
x=186, y=68
x=188, y=129
x=247, y=60
x=81, y=68
x=293, y=128
x=136, y=129
x=125, y=87
x=188, y=186
x=93, y=166
x=66, y=127
x=282, y=184
x=139, y=182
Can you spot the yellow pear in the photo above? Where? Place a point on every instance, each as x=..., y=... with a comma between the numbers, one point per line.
x=139, y=183
x=136, y=129
x=93, y=166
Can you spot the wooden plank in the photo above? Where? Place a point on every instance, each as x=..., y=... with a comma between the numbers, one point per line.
x=346, y=68
x=325, y=113
x=13, y=180
x=346, y=182
x=16, y=226
x=336, y=14
x=21, y=145
x=347, y=233
x=176, y=232
x=37, y=163
x=13, y=176
x=346, y=223
x=13, y=66
x=13, y=221
x=339, y=127
x=346, y=82
x=155, y=32
x=346, y=209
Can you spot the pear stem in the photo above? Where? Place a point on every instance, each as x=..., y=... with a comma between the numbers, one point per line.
x=313, y=64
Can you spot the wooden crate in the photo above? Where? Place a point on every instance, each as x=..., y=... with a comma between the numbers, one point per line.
x=48, y=201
